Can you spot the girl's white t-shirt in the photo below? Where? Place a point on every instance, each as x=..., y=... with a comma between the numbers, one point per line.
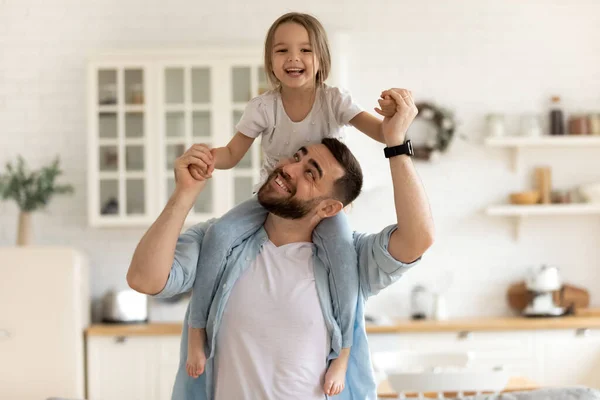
x=281, y=137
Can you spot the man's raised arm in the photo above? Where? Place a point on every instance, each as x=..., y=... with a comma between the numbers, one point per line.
x=415, y=231
x=153, y=257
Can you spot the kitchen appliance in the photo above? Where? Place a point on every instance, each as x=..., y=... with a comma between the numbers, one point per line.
x=38, y=325
x=124, y=306
x=542, y=282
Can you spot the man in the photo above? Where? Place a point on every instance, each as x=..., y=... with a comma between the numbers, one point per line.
x=271, y=322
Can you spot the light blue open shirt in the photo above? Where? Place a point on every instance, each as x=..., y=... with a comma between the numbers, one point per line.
x=377, y=270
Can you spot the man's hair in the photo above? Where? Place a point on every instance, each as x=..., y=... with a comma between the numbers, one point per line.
x=348, y=187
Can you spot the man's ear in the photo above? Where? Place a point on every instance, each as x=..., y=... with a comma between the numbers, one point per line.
x=329, y=208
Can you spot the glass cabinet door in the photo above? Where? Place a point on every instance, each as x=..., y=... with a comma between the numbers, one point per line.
x=247, y=81
x=122, y=141
x=187, y=119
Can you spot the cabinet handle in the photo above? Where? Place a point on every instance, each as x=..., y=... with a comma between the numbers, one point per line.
x=583, y=332
x=4, y=334
x=464, y=335
x=120, y=339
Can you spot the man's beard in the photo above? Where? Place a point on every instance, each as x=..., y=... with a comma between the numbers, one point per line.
x=288, y=208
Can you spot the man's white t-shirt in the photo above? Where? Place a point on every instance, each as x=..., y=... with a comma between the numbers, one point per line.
x=273, y=342
x=281, y=137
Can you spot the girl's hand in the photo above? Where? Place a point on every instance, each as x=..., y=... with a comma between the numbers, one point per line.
x=394, y=128
x=203, y=168
x=387, y=106
x=188, y=169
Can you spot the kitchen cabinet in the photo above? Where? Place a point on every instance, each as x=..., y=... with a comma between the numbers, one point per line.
x=131, y=367
x=513, y=351
x=143, y=366
x=570, y=357
x=145, y=109
x=562, y=357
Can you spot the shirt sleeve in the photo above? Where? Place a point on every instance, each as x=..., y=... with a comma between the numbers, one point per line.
x=343, y=106
x=254, y=121
x=377, y=268
x=183, y=270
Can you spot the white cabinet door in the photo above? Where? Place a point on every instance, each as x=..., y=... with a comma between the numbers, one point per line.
x=146, y=109
x=120, y=149
x=123, y=368
x=569, y=357
x=514, y=351
x=167, y=365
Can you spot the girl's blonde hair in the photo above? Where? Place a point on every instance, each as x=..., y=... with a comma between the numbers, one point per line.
x=318, y=42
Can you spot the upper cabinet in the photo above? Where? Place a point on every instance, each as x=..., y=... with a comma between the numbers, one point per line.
x=145, y=110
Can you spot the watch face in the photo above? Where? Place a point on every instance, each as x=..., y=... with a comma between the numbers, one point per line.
x=409, y=146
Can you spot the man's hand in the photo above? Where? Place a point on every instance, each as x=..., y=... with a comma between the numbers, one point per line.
x=192, y=169
x=395, y=127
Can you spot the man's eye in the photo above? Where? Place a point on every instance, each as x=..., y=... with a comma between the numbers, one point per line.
x=312, y=176
x=296, y=157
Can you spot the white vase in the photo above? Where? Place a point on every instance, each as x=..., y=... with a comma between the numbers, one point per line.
x=24, y=229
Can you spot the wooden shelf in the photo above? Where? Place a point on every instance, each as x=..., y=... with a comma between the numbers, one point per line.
x=520, y=212
x=542, y=209
x=544, y=141
x=516, y=143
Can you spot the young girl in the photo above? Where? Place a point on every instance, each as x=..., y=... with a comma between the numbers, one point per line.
x=300, y=110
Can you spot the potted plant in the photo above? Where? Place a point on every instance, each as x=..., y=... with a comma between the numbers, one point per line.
x=32, y=190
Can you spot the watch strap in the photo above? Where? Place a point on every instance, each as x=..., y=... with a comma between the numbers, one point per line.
x=405, y=148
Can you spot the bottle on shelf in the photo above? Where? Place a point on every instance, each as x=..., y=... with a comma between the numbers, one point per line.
x=557, y=123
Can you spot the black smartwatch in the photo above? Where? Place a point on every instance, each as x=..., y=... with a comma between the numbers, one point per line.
x=404, y=149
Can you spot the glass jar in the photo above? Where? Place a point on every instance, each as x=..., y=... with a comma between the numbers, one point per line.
x=419, y=302
x=495, y=125
x=579, y=125
x=530, y=126
x=108, y=94
x=137, y=93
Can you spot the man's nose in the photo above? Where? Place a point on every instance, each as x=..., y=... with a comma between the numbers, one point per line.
x=290, y=171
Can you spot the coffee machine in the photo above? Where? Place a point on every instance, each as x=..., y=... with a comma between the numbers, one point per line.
x=542, y=283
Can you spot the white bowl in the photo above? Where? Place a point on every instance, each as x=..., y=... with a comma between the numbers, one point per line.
x=590, y=192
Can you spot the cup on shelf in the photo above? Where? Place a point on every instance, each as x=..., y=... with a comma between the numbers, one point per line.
x=595, y=124
x=495, y=125
x=530, y=126
x=579, y=124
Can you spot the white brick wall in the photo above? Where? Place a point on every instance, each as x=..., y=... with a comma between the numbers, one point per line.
x=473, y=56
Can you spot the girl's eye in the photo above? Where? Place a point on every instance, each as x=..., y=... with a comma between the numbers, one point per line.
x=307, y=50
x=280, y=51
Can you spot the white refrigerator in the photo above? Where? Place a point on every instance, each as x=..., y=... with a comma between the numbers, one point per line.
x=44, y=310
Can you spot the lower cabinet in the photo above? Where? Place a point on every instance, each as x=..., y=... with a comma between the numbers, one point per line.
x=144, y=367
x=131, y=367
x=572, y=357
x=565, y=357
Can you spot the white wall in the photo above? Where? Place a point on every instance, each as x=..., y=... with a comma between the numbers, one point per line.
x=472, y=56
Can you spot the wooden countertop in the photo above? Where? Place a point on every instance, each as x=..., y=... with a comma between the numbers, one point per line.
x=488, y=324
x=515, y=384
x=142, y=329
x=583, y=319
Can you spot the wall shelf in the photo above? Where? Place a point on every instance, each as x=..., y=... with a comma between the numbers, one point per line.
x=516, y=143
x=522, y=211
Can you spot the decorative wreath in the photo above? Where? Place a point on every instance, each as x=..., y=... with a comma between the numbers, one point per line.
x=445, y=125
